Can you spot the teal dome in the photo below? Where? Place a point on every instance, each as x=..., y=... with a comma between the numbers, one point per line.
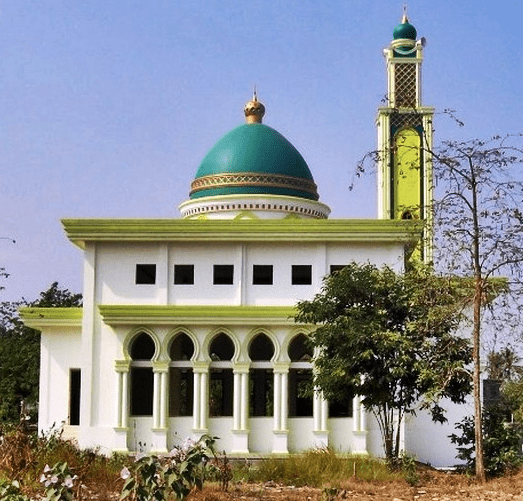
x=404, y=30
x=253, y=159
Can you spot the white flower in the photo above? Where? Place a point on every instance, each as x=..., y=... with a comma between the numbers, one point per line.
x=47, y=468
x=54, y=479
x=68, y=482
x=43, y=478
x=125, y=473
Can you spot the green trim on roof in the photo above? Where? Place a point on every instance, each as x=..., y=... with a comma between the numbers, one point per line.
x=168, y=314
x=80, y=231
x=38, y=318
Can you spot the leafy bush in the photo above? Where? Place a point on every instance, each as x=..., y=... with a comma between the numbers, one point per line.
x=502, y=442
x=160, y=478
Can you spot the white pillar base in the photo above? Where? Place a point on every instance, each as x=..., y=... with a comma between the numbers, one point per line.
x=321, y=439
x=240, y=442
x=360, y=442
x=159, y=441
x=280, y=442
x=120, y=440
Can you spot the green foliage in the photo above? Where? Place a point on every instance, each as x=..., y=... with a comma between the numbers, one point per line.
x=10, y=491
x=501, y=441
x=20, y=353
x=160, y=478
x=391, y=339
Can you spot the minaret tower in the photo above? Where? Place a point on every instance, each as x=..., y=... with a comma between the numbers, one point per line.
x=405, y=137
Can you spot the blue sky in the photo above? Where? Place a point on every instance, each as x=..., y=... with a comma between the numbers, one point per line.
x=107, y=108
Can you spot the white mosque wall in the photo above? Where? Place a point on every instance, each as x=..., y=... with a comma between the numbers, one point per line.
x=59, y=354
x=116, y=265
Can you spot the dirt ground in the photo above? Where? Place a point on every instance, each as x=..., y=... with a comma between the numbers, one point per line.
x=433, y=486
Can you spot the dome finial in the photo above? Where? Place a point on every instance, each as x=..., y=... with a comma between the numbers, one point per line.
x=254, y=110
x=404, y=18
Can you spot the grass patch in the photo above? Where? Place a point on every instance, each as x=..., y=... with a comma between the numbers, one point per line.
x=315, y=468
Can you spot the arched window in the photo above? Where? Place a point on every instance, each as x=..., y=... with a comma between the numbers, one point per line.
x=300, y=377
x=261, y=377
x=181, y=387
x=142, y=379
x=221, y=385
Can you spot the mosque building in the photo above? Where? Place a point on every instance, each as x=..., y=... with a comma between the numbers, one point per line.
x=187, y=324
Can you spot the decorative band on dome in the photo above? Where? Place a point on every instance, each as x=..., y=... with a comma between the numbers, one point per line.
x=245, y=180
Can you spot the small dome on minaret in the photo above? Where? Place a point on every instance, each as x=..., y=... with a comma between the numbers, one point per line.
x=254, y=110
x=404, y=30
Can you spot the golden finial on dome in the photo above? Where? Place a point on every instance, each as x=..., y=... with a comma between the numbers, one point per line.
x=254, y=110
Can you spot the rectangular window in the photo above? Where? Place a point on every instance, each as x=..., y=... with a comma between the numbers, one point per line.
x=262, y=274
x=336, y=267
x=301, y=274
x=146, y=274
x=142, y=387
x=75, y=382
x=223, y=274
x=184, y=274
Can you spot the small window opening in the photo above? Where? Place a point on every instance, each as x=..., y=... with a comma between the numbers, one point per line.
x=223, y=274
x=301, y=274
x=221, y=348
x=146, y=274
x=262, y=274
x=75, y=383
x=184, y=274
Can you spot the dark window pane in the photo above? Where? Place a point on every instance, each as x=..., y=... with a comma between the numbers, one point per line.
x=146, y=274
x=181, y=392
x=142, y=383
x=182, y=348
x=300, y=402
x=223, y=274
x=221, y=348
x=336, y=267
x=341, y=408
x=143, y=347
x=299, y=350
x=75, y=378
x=184, y=274
x=301, y=274
x=261, y=392
x=220, y=392
x=262, y=274
x=261, y=348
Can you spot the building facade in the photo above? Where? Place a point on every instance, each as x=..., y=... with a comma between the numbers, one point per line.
x=187, y=324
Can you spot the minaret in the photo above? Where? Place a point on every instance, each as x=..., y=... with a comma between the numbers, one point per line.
x=405, y=137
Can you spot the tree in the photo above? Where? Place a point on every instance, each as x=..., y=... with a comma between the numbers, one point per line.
x=391, y=339
x=479, y=233
x=20, y=351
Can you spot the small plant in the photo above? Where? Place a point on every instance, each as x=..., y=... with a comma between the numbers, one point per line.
x=58, y=481
x=222, y=469
x=158, y=479
x=11, y=492
x=501, y=441
x=409, y=469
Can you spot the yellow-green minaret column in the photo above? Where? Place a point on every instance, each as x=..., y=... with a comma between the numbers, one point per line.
x=405, y=138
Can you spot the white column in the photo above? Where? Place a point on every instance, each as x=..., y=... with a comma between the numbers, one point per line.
x=164, y=398
x=277, y=400
x=245, y=400
x=204, y=398
x=196, y=400
x=237, y=401
x=284, y=400
x=156, y=400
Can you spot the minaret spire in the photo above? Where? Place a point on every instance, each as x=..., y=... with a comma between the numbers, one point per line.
x=404, y=18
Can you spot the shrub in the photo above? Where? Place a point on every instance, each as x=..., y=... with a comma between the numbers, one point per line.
x=501, y=442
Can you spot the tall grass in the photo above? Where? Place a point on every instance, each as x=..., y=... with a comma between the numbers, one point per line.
x=316, y=468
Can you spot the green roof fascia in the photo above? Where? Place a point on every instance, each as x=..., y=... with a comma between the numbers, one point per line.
x=80, y=231
x=202, y=315
x=37, y=318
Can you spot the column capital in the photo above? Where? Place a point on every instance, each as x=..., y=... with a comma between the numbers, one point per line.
x=122, y=365
x=241, y=368
x=160, y=366
x=281, y=367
